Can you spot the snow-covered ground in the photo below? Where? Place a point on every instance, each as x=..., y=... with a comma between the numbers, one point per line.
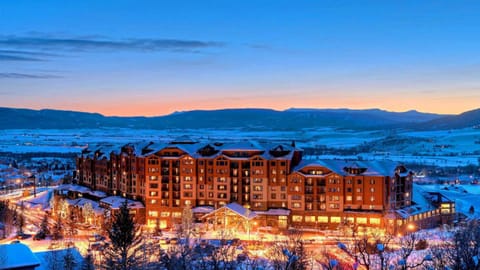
x=464, y=196
x=443, y=148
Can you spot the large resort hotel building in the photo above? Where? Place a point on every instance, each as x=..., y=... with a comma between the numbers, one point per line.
x=269, y=185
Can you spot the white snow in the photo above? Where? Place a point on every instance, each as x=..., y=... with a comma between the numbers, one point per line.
x=17, y=256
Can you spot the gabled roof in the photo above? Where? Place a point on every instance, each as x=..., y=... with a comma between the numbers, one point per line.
x=373, y=168
x=74, y=188
x=115, y=202
x=81, y=202
x=17, y=256
x=237, y=209
x=241, y=146
x=274, y=212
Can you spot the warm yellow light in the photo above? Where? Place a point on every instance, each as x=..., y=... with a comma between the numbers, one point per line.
x=411, y=226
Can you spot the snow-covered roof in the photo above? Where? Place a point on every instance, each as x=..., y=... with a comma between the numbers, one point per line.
x=274, y=212
x=115, y=202
x=373, y=168
x=46, y=262
x=241, y=146
x=98, y=193
x=236, y=208
x=420, y=204
x=17, y=256
x=73, y=187
x=202, y=209
x=81, y=202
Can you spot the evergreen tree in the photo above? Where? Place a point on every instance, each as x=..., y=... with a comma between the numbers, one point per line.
x=124, y=236
x=57, y=229
x=20, y=219
x=7, y=217
x=44, y=229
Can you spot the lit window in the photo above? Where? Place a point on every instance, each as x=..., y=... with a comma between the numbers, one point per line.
x=309, y=218
x=153, y=213
x=334, y=206
x=322, y=219
x=361, y=220
x=335, y=219
x=297, y=218
x=349, y=198
x=375, y=221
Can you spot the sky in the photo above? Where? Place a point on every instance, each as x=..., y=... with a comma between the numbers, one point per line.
x=150, y=58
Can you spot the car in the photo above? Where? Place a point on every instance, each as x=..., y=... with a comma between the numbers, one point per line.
x=15, y=242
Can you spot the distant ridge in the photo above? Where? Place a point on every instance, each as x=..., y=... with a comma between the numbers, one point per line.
x=466, y=119
x=251, y=118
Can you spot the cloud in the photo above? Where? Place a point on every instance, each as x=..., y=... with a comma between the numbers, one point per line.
x=7, y=57
x=20, y=55
x=13, y=75
x=93, y=44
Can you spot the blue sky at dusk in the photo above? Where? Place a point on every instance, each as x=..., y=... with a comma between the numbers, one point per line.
x=157, y=57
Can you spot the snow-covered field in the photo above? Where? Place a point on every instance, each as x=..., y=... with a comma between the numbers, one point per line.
x=442, y=148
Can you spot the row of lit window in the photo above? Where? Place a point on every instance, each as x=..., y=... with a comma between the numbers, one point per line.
x=336, y=219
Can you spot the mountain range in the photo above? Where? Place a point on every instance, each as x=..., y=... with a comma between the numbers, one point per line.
x=261, y=119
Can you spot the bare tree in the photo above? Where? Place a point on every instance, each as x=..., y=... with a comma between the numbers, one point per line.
x=71, y=226
x=289, y=254
x=187, y=228
x=371, y=250
x=464, y=250
x=88, y=213
x=408, y=244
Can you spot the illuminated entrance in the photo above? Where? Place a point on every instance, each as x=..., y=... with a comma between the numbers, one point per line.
x=230, y=219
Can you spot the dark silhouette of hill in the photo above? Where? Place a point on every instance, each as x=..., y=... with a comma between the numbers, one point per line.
x=463, y=120
x=267, y=119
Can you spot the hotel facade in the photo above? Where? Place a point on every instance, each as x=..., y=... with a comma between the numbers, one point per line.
x=270, y=180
